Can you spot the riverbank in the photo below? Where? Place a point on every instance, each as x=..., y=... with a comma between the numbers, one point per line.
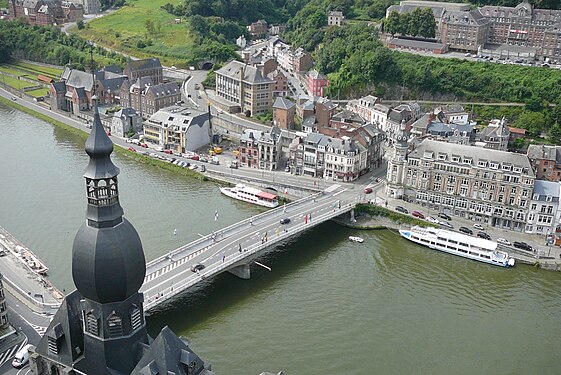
x=384, y=219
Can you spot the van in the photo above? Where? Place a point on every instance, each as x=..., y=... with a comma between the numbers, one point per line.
x=214, y=160
x=22, y=357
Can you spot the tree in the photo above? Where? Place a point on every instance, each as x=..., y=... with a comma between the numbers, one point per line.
x=149, y=24
x=427, y=24
x=80, y=24
x=199, y=25
x=533, y=122
x=555, y=134
x=392, y=23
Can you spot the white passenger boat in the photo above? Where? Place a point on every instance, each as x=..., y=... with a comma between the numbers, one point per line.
x=458, y=244
x=356, y=239
x=251, y=195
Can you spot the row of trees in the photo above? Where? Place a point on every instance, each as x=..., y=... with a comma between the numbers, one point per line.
x=420, y=22
x=50, y=45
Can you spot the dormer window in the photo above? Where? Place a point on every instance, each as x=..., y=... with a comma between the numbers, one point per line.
x=493, y=165
x=441, y=156
x=482, y=163
x=455, y=158
x=428, y=154
x=467, y=161
x=506, y=167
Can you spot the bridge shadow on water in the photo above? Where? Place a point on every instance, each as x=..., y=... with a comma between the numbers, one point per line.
x=226, y=290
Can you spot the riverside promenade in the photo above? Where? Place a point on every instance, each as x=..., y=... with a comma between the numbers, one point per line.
x=30, y=288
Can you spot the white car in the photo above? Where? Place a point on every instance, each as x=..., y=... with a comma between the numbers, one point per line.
x=431, y=219
x=478, y=226
x=503, y=241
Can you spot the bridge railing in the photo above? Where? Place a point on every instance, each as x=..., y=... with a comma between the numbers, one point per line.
x=220, y=234
x=173, y=290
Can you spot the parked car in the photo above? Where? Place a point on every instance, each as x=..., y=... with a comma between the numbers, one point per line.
x=465, y=230
x=431, y=219
x=195, y=157
x=403, y=210
x=367, y=190
x=169, y=152
x=446, y=225
x=287, y=169
x=202, y=168
x=478, y=226
x=483, y=235
x=197, y=267
x=504, y=241
x=418, y=214
x=523, y=246
x=286, y=220
x=159, y=148
x=444, y=216
x=131, y=149
x=144, y=145
x=14, y=98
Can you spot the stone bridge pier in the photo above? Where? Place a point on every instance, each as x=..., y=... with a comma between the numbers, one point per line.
x=241, y=271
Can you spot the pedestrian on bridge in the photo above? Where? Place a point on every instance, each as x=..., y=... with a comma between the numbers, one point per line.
x=310, y=216
x=223, y=258
x=284, y=207
x=306, y=219
x=240, y=247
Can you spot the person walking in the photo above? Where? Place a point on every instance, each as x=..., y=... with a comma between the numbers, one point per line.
x=240, y=247
x=223, y=258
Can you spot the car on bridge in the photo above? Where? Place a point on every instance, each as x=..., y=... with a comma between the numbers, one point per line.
x=286, y=220
x=197, y=267
x=367, y=190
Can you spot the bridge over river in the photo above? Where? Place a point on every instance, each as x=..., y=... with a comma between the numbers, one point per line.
x=235, y=247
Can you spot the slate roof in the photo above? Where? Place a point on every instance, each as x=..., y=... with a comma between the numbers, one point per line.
x=169, y=354
x=282, y=103
x=545, y=152
x=472, y=18
x=163, y=89
x=348, y=117
x=546, y=189
x=309, y=121
x=152, y=63
x=252, y=75
x=314, y=74
x=59, y=86
x=475, y=153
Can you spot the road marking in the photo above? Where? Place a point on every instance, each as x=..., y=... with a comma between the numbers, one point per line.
x=6, y=355
x=339, y=192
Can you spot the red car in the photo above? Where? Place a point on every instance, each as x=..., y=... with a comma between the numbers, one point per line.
x=169, y=152
x=132, y=149
x=195, y=157
x=108, y=132
x=144, y=145
x=367, y=190
x=418, y=214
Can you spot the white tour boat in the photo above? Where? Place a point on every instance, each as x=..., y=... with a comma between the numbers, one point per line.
x=356, y=239
x=251, y=195
x=458, y=244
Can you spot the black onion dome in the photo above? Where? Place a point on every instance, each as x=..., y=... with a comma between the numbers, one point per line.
x=108, y=264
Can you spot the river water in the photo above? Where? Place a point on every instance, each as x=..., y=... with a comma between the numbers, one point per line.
x=328, y=307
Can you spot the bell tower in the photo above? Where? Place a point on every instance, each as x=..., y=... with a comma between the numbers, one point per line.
x=108, y=267
x=396, y=163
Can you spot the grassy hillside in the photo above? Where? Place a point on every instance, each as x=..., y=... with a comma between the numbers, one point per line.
x=128, y=29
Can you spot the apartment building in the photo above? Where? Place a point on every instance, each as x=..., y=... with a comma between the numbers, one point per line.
x=260, y=150
x=178, y=128
x=525, y=26
x=465, y=31
x=484, y=185
x=544, y=214
x=345, y=159
x=245, y=88
x=147, y=97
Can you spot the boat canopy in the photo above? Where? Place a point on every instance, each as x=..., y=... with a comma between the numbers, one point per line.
x=266, y=195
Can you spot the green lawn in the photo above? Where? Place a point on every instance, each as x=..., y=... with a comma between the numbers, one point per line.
x=124, y=28
x=3, y=3
x=37, y=93
x=13, y=82
x=38, y=69
x=9, y=70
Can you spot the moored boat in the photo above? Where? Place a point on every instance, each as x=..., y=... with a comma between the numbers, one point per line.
x=458, y=244
x=356, y=239
x=251, y=195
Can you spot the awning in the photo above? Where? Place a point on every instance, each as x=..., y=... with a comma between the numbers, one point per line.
x=265, y=195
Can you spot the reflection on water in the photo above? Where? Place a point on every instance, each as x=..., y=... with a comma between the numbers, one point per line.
x=329, y=306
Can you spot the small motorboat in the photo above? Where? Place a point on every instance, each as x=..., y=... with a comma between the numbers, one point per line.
x=356, y=239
